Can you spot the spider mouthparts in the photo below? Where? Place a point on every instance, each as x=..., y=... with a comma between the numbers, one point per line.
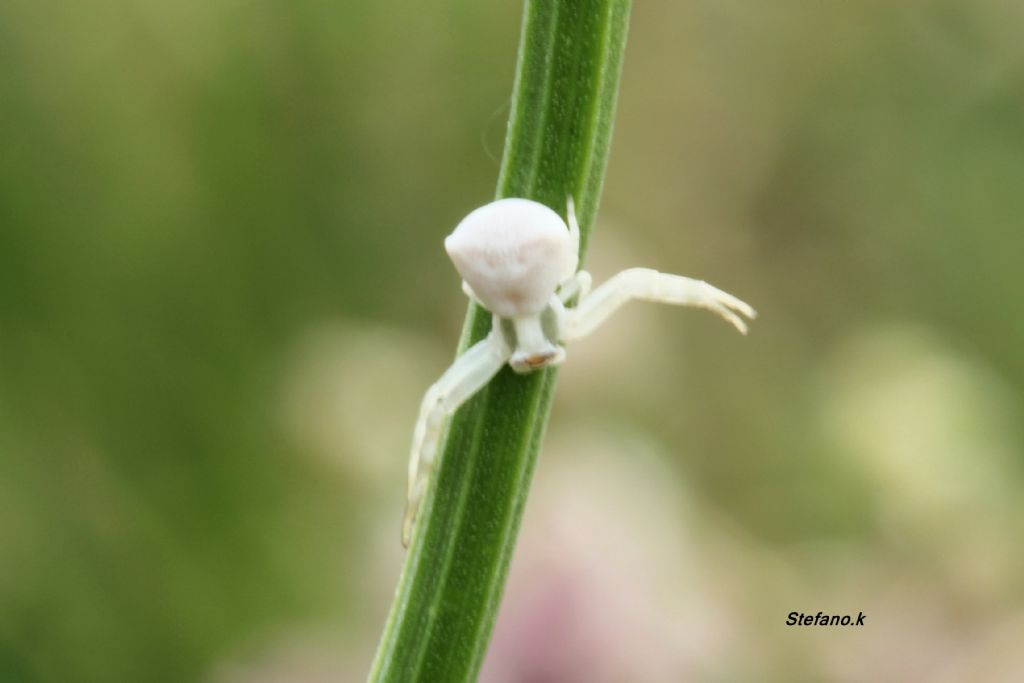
x=539, y=359
x=529, y=361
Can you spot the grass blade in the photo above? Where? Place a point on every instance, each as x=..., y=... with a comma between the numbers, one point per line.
x=567, y=77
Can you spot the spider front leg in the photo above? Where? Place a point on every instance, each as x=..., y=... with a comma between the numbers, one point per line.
x=650, y=285
x=467, y=375
x=576, y=286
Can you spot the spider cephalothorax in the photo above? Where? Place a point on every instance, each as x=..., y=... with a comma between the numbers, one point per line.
x=518, y=259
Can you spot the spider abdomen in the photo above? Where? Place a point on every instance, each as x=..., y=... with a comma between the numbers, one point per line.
x=513, y=253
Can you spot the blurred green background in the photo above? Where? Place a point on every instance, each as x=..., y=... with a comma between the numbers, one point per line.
x=223, y=292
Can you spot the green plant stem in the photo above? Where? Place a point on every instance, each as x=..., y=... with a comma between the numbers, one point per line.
x=559, y=132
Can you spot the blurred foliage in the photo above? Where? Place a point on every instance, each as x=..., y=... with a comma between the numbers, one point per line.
x=215, y=217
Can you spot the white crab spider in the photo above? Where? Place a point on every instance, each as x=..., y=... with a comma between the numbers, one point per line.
x=518, y=259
